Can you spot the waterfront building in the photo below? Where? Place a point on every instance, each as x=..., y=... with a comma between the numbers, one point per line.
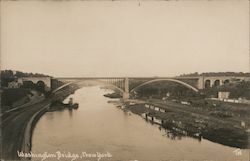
x=14, y=84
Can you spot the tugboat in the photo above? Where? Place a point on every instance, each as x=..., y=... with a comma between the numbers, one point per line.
x=72, y=105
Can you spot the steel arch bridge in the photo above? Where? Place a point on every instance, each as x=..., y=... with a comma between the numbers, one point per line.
x=122, y=84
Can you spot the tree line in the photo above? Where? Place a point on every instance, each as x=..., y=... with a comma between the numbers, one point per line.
x=196, y=74
x=10, y=75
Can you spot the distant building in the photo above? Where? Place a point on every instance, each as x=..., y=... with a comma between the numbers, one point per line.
x=14, y=84
x=223, y=95
x=20, y=80
x=35, y=80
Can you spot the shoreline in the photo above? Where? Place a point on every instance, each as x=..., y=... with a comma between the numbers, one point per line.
x=26, y=119
x=188, y=123
x=27, y=143
x=29, y=129
x=33, y=121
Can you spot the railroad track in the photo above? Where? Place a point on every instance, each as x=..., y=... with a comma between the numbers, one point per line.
x=13, y=127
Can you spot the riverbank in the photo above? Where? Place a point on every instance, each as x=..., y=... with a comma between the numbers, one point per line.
x=18, y=126
x=227, y=124
x=13, y=97
x=27, y=143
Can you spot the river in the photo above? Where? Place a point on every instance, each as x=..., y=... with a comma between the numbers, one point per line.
x=99, y=126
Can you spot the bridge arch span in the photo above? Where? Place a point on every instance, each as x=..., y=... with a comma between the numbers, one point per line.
x=207, y=83
x=171, y=80
x=91, y=80
x=216, y=83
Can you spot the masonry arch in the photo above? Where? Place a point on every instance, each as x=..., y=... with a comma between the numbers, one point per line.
x=40, y=86
x=216, y=83
x=227, y=81
x=207, y=83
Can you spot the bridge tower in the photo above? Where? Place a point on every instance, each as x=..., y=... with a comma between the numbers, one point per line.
x=126, y=89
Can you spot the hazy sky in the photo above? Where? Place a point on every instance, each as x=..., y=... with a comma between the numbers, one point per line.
x=153, y=38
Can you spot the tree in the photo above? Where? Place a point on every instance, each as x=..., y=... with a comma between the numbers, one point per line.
x=6, y=77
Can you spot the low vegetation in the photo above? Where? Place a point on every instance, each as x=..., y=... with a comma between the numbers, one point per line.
x=237, y=90
x=9, y=96
x=196, y=74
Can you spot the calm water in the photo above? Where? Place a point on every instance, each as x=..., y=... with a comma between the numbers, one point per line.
x=97, y=126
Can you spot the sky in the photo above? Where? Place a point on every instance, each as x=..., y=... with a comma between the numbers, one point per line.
x=124, y=38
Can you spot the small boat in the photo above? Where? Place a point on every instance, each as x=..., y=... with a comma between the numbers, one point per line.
x=75, y=106
x=72, y=105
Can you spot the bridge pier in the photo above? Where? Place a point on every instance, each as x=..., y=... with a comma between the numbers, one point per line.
x=201, y=83
x=126, y=89
x=125, y=95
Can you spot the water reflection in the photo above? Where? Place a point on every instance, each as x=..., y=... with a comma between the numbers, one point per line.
x=49, y=116
x=98, y=126
x=70, y=113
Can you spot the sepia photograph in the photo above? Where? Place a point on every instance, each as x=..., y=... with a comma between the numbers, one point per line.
x=125, y=80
